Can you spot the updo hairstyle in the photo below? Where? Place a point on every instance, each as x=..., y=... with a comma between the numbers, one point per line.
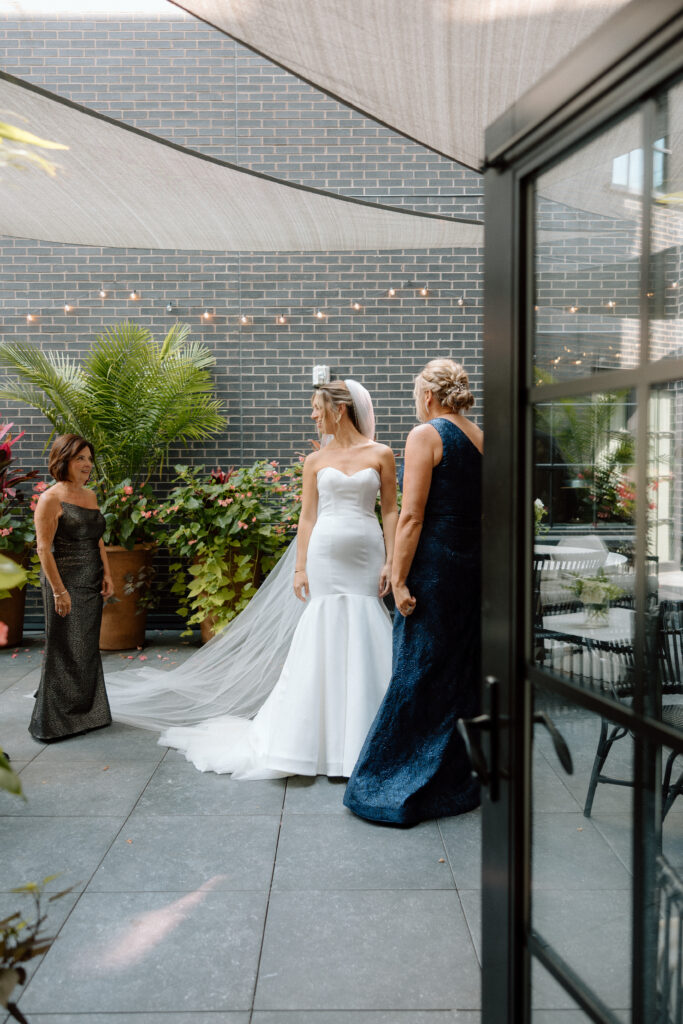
x=65, y=448
x=333, y=396
x=448, y=382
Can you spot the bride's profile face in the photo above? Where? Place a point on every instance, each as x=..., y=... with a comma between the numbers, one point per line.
x=320, y=416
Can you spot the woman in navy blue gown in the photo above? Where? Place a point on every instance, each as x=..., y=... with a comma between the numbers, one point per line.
x=414, y=764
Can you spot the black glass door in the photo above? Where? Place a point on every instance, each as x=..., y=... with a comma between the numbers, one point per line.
x=582, y=903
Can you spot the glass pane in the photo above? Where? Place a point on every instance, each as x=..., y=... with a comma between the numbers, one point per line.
x=583, y=571
x=581, y=866
x=664, y=691
x=666, y=277
x=587, y=269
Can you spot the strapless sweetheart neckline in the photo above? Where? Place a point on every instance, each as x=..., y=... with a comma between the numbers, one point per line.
x=349, y=475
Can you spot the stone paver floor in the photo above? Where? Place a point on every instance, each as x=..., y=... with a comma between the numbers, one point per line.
x=199, y=900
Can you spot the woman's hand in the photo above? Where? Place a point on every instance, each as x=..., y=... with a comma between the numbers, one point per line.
x=107, y=586
x=385, y=580
x=63, y=603
x=405, y=602
x=301, y=588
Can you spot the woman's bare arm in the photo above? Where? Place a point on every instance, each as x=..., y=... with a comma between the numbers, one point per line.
x=46, y=518
x=309, y=514
x=387, y=495
x=417, y=478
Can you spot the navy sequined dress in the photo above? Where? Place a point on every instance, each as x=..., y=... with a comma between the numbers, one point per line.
x=414, y=764
x=71, y=697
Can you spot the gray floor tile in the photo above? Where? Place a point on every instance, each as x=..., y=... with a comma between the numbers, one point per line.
x=102, y=789
x=364, y=1017
x=128, y=953
x=550, y=792
x=337, y=851
x=568, y=852
x=166, y=854
x=462, y=838
x=33, y=848
x=341, y=950
x=178, y=788
x=470, y=901
x=318, y=795
x=117, y=742
x=591, y=931
x=142, y=1018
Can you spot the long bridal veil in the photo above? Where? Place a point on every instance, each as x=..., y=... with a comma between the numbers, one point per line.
x=236, y=670
x=231, y=675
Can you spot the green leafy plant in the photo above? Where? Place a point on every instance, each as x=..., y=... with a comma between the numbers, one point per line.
x=21, y=940
x=131, y=396
x=540, y=512
x=595, y=590
x=17, y=532
x=130, y=515
x=9, y=780
x=17, y=149
x=226, y=531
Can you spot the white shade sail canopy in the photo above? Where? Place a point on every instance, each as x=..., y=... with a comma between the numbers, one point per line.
x=438, y=71
x=119, y=186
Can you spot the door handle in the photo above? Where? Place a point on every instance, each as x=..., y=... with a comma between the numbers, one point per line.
x=471, y=730
x=560, y=744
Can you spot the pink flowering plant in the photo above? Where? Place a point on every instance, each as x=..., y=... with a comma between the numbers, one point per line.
x=226, y=530
x=131, y=515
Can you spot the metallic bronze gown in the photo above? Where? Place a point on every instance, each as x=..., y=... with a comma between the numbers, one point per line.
x=71, y=697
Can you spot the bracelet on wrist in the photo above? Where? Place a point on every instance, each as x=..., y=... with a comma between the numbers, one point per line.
x=61, y=594
x=298, y=570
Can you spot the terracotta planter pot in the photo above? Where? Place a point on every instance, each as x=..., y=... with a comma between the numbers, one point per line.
x=12, y=608
x=123, y=626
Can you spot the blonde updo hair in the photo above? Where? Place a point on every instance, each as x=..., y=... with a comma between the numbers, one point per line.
x=334, y=395
x=448, y=382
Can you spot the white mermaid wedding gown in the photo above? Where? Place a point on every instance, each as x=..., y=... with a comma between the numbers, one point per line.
x=339, y=663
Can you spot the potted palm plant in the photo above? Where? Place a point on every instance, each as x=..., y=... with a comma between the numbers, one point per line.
x=133, y=397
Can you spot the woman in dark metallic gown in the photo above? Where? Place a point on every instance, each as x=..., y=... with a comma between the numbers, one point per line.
x=75, y=578
x=414, y=764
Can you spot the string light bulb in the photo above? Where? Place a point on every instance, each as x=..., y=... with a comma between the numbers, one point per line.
x=424, y=291
x=67, y=307
x=134, y=295
x=461, y=300
x=244, y=319
x=170, y=307
x=206, y=315
x=356, y=306
x=391, y=292
x=611, y=304
x=103, y=293
x=281, y=318
x=29, y=318
x=573, y=309
x=320, y=314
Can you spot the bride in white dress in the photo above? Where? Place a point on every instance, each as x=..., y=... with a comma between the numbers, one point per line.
x=314, y=710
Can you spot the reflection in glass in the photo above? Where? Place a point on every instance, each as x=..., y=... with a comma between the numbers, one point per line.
x=584, y=504
x=587, y=258
x=666, y=276
x=581, y=867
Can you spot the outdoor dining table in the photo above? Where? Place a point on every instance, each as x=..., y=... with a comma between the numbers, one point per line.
x=599, y=655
